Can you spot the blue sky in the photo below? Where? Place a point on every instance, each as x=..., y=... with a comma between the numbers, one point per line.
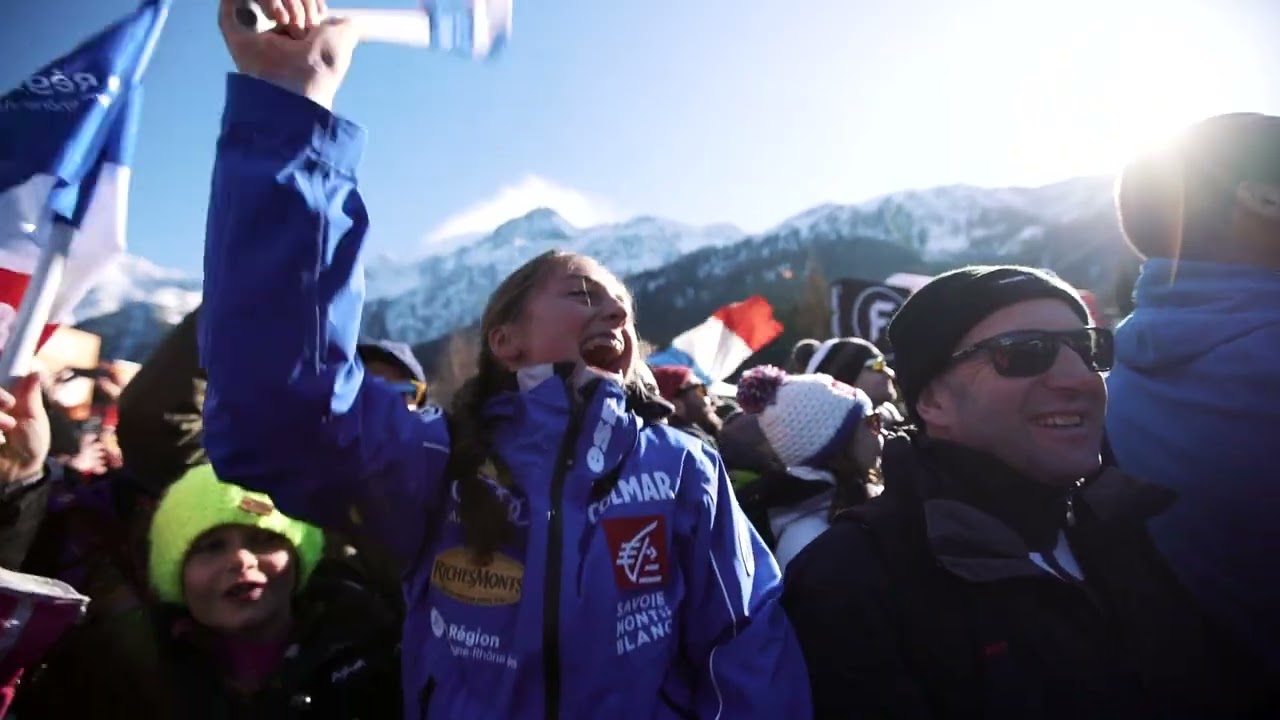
x=745, y=111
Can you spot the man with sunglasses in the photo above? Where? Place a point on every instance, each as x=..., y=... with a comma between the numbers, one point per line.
x=1004, y=572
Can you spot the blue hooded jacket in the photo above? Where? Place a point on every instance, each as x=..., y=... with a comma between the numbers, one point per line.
x=1195, y=406
x=633, y=588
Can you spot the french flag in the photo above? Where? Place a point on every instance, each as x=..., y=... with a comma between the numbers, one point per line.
x=66, y=142
x=717, y=347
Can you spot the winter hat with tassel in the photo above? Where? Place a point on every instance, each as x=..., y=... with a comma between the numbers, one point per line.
x=808, y=419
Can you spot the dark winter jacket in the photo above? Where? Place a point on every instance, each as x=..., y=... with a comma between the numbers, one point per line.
x=936, y=600
x=22, y=511
x=774, y=489
x=693, y=429
x=342, y=663
x=744, y=446
x=161, y=426
x=93, y=537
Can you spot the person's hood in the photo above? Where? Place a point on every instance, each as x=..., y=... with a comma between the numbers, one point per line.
x=396, y=353
x=1186, y=309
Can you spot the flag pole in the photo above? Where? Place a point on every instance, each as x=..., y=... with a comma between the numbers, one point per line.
x=37, y=304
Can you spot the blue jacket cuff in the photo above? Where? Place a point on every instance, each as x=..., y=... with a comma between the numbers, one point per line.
x=291, y=122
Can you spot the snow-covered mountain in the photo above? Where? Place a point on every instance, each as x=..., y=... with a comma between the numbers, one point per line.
x=1069, y=227
x=134, y=304
x=138, y=280
x=943, y=222
x=676, y=268
x=440, y=293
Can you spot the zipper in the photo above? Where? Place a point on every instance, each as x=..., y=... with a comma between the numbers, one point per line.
x=424, y=697
x=555, y=559
x=600, y=489
x=1071, y=504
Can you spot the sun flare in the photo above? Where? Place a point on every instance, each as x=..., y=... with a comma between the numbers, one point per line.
x=1116, y=81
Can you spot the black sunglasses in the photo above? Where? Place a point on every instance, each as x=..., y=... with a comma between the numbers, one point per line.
x=1027, y=353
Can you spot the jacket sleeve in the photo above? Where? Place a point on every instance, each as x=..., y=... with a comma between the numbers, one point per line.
x=161, y=430
x=838, y=602
x=23, y=506
x=748, y=663
x=288, y=408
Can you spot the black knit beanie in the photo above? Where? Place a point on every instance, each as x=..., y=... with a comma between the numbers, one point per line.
x=925, y=331
x=843, y=358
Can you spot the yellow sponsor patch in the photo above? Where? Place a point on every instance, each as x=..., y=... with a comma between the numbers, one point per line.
x=458, y=576
x=256, y=506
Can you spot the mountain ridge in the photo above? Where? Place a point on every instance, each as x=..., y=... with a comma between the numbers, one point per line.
x=679, y=272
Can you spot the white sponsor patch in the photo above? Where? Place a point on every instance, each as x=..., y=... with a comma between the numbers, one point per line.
x=471, y=643
x=517, y=507
x=642, y=620
x=603, y=433
x=645, y=487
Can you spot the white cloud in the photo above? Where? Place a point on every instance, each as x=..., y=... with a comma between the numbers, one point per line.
x=512, y=201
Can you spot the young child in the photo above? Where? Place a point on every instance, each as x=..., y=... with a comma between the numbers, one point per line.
x=563, y=555
x=254, y=630
x=249, y=621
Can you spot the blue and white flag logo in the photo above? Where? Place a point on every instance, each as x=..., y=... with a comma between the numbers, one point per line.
x=66, y=143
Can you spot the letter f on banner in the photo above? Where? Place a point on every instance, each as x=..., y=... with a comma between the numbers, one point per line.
x=66, y=143
x=881, y=313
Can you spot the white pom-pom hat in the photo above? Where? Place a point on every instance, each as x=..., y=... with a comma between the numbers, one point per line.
x=808, y=419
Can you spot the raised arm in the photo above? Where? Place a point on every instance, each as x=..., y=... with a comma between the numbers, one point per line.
x=288, y=409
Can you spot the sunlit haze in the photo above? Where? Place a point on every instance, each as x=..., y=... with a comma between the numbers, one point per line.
x=741, y=111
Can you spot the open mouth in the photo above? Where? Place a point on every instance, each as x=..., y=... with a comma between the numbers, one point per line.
x=1059, y=421
x=246, y=591
x=604, y=352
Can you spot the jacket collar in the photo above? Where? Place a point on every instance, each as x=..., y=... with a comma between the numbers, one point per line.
x=976, y=539
x=974, y=545
x=548, y=401
x=1035, y=511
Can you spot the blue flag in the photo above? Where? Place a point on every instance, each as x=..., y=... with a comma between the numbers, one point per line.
x=66, y=143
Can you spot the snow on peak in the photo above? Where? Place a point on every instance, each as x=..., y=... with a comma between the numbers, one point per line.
x=422, y=299
x=443, y=292
x=132, y=279
x=947, y=220
x=540, y=224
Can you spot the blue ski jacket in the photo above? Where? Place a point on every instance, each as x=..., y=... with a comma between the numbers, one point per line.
x=633, y=587
x=1194, y=406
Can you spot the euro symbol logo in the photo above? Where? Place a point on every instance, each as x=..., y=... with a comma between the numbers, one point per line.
x=638, y=558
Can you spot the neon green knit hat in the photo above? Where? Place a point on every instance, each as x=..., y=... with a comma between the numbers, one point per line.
x=199, y=502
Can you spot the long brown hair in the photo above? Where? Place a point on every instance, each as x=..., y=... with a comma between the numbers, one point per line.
x=485, y=523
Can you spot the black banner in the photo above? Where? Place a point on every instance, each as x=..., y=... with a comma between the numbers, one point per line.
x=862, y=308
